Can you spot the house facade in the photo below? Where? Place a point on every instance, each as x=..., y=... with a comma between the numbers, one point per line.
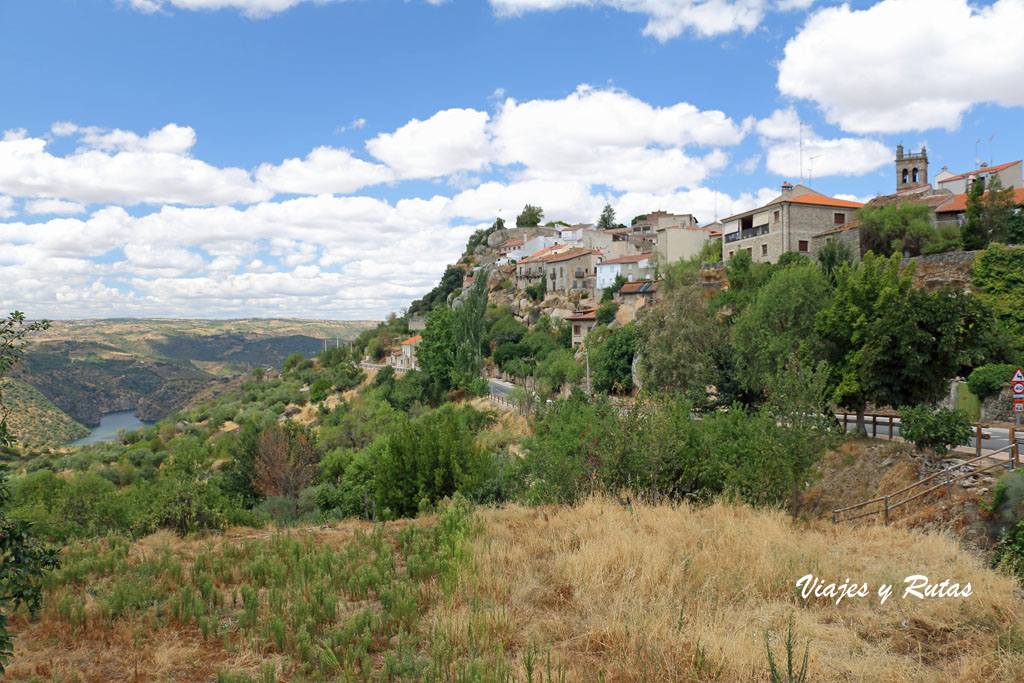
x=677, y=242
x=638, y=267
x=572, y=271
x=530, y=270
x=787, y=223
x=582, y=323
x=1009, y=175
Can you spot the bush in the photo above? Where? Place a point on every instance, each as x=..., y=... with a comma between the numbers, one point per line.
x=988, y=379
x=936, y=429
x=606, y=313
x=478, y=387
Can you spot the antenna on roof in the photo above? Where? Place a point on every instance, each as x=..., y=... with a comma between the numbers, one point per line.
x=810, y=179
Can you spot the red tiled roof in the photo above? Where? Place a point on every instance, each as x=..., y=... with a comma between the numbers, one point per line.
x=619, y=231
x=959, y=202
x=412, y=340
x=980, y=170
x=543, y=254
x=820, y=200
x=629, y=259
x=513, y=243
x=572, y=253
x=848, y=225
x=583, y=314
x=639, y=287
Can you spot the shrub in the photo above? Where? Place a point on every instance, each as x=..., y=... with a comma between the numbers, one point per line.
x=936, y=429
x=988, y=379
x=606, y=313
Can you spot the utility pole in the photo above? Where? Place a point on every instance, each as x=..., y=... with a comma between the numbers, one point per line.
x=586, y=352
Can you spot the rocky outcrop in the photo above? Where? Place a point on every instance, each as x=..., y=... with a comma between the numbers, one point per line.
x=952, y=269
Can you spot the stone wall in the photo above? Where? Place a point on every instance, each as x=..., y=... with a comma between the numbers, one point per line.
x=998, y=408
x=952, y=269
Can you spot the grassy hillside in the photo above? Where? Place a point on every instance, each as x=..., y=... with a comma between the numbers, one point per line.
x=34, y=419
x=600, y=591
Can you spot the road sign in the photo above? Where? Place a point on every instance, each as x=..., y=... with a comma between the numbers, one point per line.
x=1018, y=389
x=1018, y=376
x=1018, y=405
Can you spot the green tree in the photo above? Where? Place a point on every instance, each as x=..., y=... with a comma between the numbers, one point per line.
x=895, y=228
x=258, y=373
x=997, y=280
x=436, y=353
x=606, y=313
x=613, y=361
x=530, y=217
x=935, y=429
x=990, y=214
x=973, y=232
x=676, y=339
x=24, y=559
x=468, y=324
x=607, y=219
x=890, y=344
x=833, y=256
x=778, y=323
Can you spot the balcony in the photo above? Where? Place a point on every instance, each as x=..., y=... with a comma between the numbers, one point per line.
x=746, y=233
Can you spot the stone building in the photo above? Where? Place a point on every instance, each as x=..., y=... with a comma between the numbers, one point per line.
x=911, y=169
x=787, y=223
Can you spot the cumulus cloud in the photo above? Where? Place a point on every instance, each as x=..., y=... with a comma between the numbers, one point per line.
x=324, y=170
x=666, y=19
x=905, y=65
x=609, y=137
x=451, y=140
x=6, y=206
x=122, y=168
x=56, y=207
x=822, y=157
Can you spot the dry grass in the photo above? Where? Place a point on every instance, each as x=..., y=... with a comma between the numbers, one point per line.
x=602, y=590
x=679, y=593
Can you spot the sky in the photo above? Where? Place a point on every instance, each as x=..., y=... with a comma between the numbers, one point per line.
x=327, y=158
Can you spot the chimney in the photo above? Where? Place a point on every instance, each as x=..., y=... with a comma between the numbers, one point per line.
x=787, y=190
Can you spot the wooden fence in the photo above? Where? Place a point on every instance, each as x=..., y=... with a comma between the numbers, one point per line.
x=888, y=421
x=945, y=477
x=504, y=401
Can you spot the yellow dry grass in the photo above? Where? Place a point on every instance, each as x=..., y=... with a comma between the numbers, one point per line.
x=637, y=592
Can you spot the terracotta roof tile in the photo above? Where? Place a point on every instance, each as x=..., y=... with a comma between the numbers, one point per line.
x=959, y=202
x=635, y=258
x=412, y=340
x=818, y=200
x=980, y=170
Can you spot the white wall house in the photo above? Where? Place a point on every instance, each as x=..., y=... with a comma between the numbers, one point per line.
x=633, y=268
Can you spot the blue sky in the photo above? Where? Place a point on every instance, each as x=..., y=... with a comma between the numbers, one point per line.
x=225, y=158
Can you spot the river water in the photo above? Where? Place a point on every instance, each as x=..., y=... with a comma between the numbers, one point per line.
x=109, y=424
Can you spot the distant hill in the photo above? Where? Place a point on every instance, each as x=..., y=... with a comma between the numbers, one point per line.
x=157, y=366
x=34, y=419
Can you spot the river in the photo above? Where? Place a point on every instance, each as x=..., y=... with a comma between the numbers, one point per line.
x=109, y=424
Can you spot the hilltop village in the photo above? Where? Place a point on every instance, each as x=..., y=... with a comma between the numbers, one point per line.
x=567, y=271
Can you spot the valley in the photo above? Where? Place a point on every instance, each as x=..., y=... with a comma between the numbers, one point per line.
x=77, y=370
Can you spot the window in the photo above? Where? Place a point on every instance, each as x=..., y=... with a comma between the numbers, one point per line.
x=802, y=245
x=915, y=175
x=839, y=218
x=574, y=284
x=775, y=215
x=764, y=250
x=731, y=254
x=905, y=175
x=576, y=330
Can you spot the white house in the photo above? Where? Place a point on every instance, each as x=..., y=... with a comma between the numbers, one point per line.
x=633, y=268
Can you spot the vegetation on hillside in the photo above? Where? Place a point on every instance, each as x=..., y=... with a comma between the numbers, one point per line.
x=35, y=420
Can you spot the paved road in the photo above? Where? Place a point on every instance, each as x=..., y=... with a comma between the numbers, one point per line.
x=500, y=388
x=1000, y=437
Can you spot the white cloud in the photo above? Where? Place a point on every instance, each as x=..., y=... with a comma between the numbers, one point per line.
x=750, y=164
x=451, y=140
x=905, y=65
x=121, y=168
x=56, y=207
x=665, y=18
x=822, y=157
x=609, y=137
x=324, y=170
x=6, y=206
